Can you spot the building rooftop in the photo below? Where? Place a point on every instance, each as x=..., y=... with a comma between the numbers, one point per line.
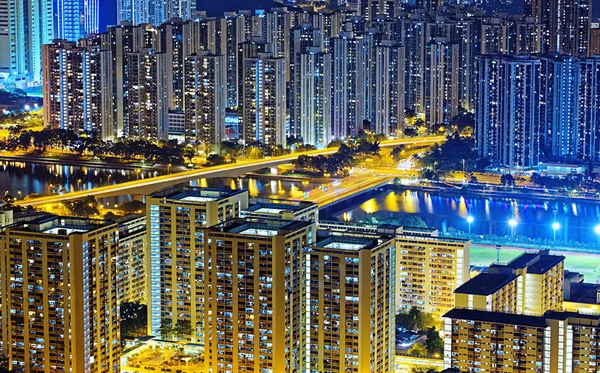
x=60, y=225
x=260, y=227
x=496, y=317
x=536, y=263
x=193, y=194
x=485, y=284
x=278, y=207
x=347, y=243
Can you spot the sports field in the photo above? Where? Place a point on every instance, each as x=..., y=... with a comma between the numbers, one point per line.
x=584, y=263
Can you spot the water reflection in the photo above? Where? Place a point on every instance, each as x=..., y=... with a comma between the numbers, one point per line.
x=20, y=179
x=491, y=215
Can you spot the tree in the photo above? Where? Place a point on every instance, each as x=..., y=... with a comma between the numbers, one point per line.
x=134, y=319
x=434, y=343
x=397, y=152
x=165, y=330
x=4, y=365
x=215, y=160
x=189, y=153
x=334, y=144
x=130, y=207
x=417, y=350
x=83, y=207
x=508, y=180
x=183, y=329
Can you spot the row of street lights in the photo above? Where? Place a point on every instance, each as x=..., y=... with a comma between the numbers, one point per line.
x=512, y=223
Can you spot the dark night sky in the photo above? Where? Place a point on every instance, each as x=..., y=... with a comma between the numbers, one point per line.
x=108, y=8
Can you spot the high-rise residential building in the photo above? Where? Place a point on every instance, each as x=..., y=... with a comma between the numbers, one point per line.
x=508, y=109
x=488, y=341
x=304, y=37
x=131, y=278
x=373, y=9
x=74, y=19
x=277, y=32
x=531, y=284
x=559, y=121
x=173, y=36
x=412, y=37
x=154, y=11
x=147, y=104
x=76, y=83
x=428, y=267
x=313, y=85
x=589, y=108
x=348, y=85
x=255, y=313
x=25, y=26
x=264, y=99
x=441, y=82
x=205, y=98
x=59, y=295
x=232, y=33
x=567, y=26
x=389, y=89
x=595, y=39
x=175, y=260
x=350, y=303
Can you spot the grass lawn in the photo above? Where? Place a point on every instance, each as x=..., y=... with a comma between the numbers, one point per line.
x=586, y=264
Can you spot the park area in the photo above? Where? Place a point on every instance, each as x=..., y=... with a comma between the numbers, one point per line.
x=584, y=263
x=162, y=356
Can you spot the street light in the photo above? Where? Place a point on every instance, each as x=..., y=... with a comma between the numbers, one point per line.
x=512, y=223
x=555, y=227
x=470, y=220
x=597, y=230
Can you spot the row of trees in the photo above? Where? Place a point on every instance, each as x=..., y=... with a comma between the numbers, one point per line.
x=167, y=152
x=339, y=163
x=456, y=153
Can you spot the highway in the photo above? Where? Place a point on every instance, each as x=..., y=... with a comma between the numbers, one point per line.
x=151, y=185
x=359, y=185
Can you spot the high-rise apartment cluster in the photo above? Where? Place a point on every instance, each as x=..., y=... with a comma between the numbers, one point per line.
x=529, y=107
x=266, y=286
x=511, y=318
x=317, y=76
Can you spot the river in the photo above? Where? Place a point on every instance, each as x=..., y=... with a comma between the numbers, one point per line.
x=20, y=179
x=534, y=218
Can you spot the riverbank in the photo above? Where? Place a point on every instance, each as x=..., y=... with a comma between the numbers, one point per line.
x=64, y=161
x=458, y=190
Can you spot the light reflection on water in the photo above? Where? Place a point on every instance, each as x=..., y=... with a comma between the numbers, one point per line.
x=491, y=215
x=20, y=179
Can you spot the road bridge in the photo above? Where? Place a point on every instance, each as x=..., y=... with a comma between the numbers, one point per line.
x=148, y=186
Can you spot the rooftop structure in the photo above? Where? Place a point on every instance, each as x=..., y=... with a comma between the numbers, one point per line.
x=282, y=209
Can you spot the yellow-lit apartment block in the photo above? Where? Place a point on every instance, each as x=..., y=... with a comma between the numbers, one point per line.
x=557, y=342
x=255, y=312
x=428, y=267
x=350, y=299
x=531, y=284
x=510, y=320
x=175, y=262
x=132, y=253
x=58, y=296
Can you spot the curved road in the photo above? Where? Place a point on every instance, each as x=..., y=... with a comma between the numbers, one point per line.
x=150, y=185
